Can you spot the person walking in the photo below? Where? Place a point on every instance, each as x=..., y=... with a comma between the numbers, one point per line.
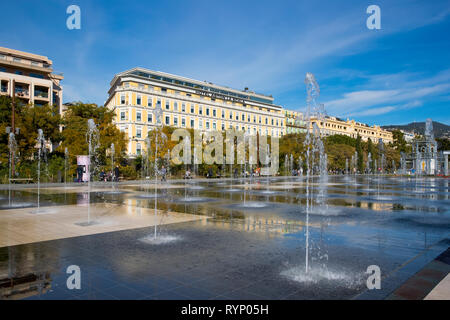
x=116, y=173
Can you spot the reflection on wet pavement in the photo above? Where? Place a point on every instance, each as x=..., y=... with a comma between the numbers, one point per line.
x=251, y=246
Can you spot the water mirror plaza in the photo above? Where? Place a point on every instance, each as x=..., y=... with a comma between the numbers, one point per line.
x=222, y=238
x=128, y=176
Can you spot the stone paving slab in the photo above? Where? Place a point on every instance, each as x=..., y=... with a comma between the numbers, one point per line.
x=430, y=283
x=21, y=226
x=441, y=291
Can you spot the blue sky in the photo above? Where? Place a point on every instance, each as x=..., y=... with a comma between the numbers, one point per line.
x=395, y=75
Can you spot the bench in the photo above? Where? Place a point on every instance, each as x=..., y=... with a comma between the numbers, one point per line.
x=26, y=180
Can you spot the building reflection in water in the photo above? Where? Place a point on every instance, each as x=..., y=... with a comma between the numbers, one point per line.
x=20, y=276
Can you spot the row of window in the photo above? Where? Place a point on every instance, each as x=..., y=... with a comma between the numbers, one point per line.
x=201, y=87
x=181, y=107
x=192, y=123
x=273, y=132
x=33, y=63
x=259, y=119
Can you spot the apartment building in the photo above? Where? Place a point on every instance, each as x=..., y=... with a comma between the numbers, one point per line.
x=332, y=125
x=187, y=103
x=30, y=78
x=295, y=122
x=408, y=136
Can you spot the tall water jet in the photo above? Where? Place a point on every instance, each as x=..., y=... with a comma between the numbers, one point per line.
x=93, y=139
x=186, y=158
x=418, y=163
x=315, y=155
x=12, y=145
x=41, y=151
x=429, y=136
x=369, y=163
x=381, y=155
x=66, y=158
x=231, y=165
x=113, y=151
x=147, y=160
x=402, y=163
x=158, y=114
x=286, y=165
x=291, y=164
x=195, y=161
x=167, y=163
x=300, y=166
x=346, y=166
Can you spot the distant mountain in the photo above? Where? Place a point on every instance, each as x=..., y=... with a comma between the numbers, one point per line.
x=439, y=129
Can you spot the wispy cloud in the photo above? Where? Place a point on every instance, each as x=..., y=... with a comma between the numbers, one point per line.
x=400, y=93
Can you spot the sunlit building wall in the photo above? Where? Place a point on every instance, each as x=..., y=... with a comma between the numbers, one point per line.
x=187, y=103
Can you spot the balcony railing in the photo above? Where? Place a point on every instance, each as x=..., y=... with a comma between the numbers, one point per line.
x=41, y=94
x=21, y=92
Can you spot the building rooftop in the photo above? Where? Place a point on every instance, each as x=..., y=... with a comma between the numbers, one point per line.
x=194, y=84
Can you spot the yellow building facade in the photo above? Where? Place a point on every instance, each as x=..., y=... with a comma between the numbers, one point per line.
x=332, y=125
x=187, y=103
x=295, y=122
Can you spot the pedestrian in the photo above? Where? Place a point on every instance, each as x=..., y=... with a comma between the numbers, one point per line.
x=116, y=173
x=102, y=175
x=80, y=173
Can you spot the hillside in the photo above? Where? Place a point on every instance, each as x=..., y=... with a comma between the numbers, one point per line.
x=439, y=129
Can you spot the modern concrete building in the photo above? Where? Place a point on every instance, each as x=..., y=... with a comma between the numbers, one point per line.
x=187, y=103
x=30, y=78
x=332, y=125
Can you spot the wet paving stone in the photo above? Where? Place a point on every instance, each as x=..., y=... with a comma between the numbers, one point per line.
x=250, y=252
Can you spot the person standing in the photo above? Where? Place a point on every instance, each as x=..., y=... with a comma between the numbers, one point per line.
x=116, y=173
x=79, y=173
x=103, y=175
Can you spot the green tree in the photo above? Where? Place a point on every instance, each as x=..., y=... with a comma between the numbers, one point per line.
x=32, y=118
x=337, y=155
x=341, y=139
x=359, y=150
x=29, y=119
x=443, y=144
x=75, y=128
x=291, y=144
x=399, y=141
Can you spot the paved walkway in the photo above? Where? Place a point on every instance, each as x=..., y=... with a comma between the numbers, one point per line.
x=441, y=291
x=430, y=283
x=20, y=226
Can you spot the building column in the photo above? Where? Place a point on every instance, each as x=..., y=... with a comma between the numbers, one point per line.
x=10, y=86
x=31, y=92
x=50, y=94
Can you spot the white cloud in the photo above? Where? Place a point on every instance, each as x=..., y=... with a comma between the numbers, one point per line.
x=375, y=111
x=400, y=91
